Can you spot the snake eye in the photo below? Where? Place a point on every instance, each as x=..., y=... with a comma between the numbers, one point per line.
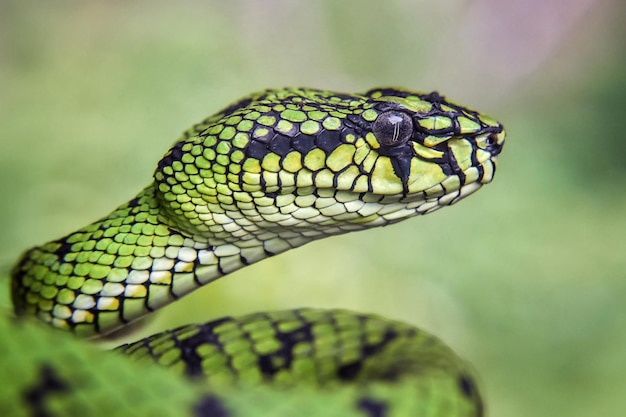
x=393, y=128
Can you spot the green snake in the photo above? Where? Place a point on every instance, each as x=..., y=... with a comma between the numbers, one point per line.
x=273, y=171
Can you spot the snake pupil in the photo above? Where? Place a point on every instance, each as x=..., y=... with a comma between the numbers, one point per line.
x=393, y=128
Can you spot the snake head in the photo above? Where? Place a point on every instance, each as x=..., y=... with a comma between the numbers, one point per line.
x=302, y=161
x=428, y=145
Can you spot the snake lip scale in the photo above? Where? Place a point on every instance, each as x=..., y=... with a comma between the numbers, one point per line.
x=271, y=172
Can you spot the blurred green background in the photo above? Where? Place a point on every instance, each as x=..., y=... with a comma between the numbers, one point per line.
x=525, y=279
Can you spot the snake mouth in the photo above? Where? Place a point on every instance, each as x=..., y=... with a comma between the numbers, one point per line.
x=464, y=182
x=471, y=180
x=383, y=210
x=455, y=187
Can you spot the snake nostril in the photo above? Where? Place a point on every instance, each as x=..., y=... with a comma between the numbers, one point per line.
x=494, y=145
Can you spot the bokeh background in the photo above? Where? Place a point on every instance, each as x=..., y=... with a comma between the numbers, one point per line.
x=525, y=279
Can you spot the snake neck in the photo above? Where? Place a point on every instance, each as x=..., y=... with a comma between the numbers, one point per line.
x=130, y=263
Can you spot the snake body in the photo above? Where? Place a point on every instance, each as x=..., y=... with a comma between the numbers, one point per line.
x=273, y=171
